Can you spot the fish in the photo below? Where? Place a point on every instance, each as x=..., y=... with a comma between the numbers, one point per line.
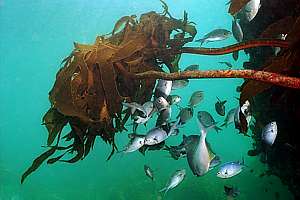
x=179, y=84
x=278, y=49
x=163, y=88
x=191, y=68
x=250, y=10
x=237, y=31
x=185, y=115
x=149, y=172
x=215, y=35
x=174, y=99
x=228, y=64
x=136, y=142
x=220, y=107
x=230, y=169
x=229, y=117
x=243, y=111
x=196, y=98
x=161, y=103
x=174, y=180
x=149, y=108
x=123, y=20
x=269, y=133
x=231, y=191
x=207, y=120
x=164, y=117
x=199, y=155
x=135, y=106
x=235, y=55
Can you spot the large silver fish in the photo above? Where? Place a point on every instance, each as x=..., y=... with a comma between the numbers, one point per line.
x=164, y=117
x=174, y=180
x=269, y=133
x=163, y=88
x=215, y=35
x=136, y=142
x=161, y=103
x=199, y=156
x=149, y=108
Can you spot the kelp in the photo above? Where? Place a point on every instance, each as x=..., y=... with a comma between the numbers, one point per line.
x=89, y=89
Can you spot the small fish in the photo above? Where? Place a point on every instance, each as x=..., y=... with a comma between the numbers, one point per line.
x=178, y=84
x=164, y=117
x=207, y=120
x=269, y=133
x=231, y=191
x=135, y=106
x=185, y=115
x=149, y=172
x=278, y=49
x=215, y=35
x=220, y=107
x=228, y=64
x=174, y=99
x=230, y=169
x=174, y=180
x=191, y=68
x=163, y=88
x=250, y=10
x=136, y=142
x=229, y=117
x=161, y=103
x=196, y=98
x=199, y=155
x=122, y=21
x=235, y=55
x=237, y=31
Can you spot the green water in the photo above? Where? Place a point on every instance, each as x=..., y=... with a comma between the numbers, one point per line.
x=35, y=35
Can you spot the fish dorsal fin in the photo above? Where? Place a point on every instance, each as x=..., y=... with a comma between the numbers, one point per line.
x=212, y=155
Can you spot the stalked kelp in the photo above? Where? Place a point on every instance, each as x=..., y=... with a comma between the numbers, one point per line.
x=121, y=67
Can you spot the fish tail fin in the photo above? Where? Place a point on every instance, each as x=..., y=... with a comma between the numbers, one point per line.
x=164, y=190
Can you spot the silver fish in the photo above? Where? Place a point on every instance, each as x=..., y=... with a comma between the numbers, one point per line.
x=149, y=108
x=230, y=169
x=278, y=49
x=250, y=10
x=220, y=107
x=161, y=103
x=269, y=133
x=149, y=172
x=155, y=136
x=196, y=98
x=191, y=68
x=229, y=117
x=215, y=35
x=199, y=156
x=178, y=84
x=135, y=106
x=175, y=180
x=237, y=31
x=174, y=99
x=207, y=120
x=163, y=88
x=164, y=117
x=185, y=115
x=136, y=142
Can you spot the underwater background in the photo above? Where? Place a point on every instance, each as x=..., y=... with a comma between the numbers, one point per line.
x=35, y=35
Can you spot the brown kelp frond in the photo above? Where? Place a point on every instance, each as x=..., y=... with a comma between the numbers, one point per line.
x=89, y=88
